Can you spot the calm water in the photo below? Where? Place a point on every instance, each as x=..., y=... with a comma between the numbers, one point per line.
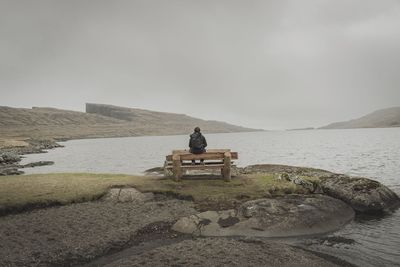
x=373, y=153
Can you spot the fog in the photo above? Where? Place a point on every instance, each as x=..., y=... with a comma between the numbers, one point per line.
x=263, y=64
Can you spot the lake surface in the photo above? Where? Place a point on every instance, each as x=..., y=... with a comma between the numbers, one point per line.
x=372, y=153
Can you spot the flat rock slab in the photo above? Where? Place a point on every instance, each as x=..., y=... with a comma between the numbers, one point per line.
x=292, y=215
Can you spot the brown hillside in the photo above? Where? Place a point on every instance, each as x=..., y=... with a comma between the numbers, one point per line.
x=100, y=121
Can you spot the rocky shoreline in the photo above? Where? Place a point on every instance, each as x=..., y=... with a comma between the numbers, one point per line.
x=109, y=232
x=127, y=227
x=10, y=156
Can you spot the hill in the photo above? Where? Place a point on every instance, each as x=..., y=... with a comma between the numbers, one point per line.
x=100, y=121
x=389, y=117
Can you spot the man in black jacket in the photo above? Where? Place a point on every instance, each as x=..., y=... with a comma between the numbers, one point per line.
x=197, y=143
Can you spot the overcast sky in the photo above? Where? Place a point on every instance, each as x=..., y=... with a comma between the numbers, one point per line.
x=264, y=64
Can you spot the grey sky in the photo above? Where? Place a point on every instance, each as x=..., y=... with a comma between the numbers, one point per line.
x=265, y=64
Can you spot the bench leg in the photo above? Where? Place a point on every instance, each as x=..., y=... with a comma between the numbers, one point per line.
x=167, y=172
x=177, y=168
x=227, y=167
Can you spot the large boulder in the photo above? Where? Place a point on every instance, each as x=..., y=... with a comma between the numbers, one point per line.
x=362, y=194
x=291, y=215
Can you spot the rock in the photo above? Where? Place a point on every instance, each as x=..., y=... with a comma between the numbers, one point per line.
x=155, y=171
x=10, y=171
x=362, y=194
x=290, y=170
x=290, y=215
x=44, y=143
x=10, y=157
x=38, y=163
x=284, y=176
x=127, y=195
x=311, y=187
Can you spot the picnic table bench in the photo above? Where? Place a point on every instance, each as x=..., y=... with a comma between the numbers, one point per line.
x=181, y=160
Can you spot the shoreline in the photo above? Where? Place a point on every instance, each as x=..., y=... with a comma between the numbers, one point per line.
x=10, y=156
x=120, y=246
x=116, y=232
x=118, y=237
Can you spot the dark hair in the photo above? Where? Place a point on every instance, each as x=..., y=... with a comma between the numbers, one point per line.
x=197, y=129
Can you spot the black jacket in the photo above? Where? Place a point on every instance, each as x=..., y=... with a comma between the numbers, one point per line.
x=196, y=140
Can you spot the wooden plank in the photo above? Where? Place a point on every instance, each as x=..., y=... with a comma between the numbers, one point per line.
x=207, y=155
x=213, y=150
x=205, y=166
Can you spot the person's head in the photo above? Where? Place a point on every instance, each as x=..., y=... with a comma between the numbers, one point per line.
x=197, y=129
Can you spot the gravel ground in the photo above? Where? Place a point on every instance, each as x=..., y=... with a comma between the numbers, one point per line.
x=223, y=252
x=78, y=233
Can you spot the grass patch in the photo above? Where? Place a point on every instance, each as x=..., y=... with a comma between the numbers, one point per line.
x=19, y=192
x=40, y=190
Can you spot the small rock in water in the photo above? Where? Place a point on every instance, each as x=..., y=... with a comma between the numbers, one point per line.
x=10, y=171
x=38, y=163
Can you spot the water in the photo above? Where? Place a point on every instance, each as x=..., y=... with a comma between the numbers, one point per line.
x=373, y=153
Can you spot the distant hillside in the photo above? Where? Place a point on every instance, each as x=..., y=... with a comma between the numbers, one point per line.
x=101, y=121
x=161, y=120
x=389, y=117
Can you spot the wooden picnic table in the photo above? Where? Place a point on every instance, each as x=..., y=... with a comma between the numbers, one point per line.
x=181, y=160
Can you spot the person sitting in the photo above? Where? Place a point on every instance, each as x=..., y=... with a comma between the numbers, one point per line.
x=197, y=143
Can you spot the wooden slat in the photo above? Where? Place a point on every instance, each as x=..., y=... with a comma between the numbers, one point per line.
x=207, y=156
x=186, y=151
x=199, y=167
x=197, y=163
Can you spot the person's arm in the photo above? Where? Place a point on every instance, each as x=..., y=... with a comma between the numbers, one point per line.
x=204, y=141
x=190, y=142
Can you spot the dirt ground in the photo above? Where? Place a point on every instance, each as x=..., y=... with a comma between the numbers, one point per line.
x=222, y=252
x=107, y=233
x=78, y=233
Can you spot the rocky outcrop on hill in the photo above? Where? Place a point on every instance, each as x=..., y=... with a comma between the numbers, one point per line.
x=291, y=215
x=120, y=113
x=40, y=116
